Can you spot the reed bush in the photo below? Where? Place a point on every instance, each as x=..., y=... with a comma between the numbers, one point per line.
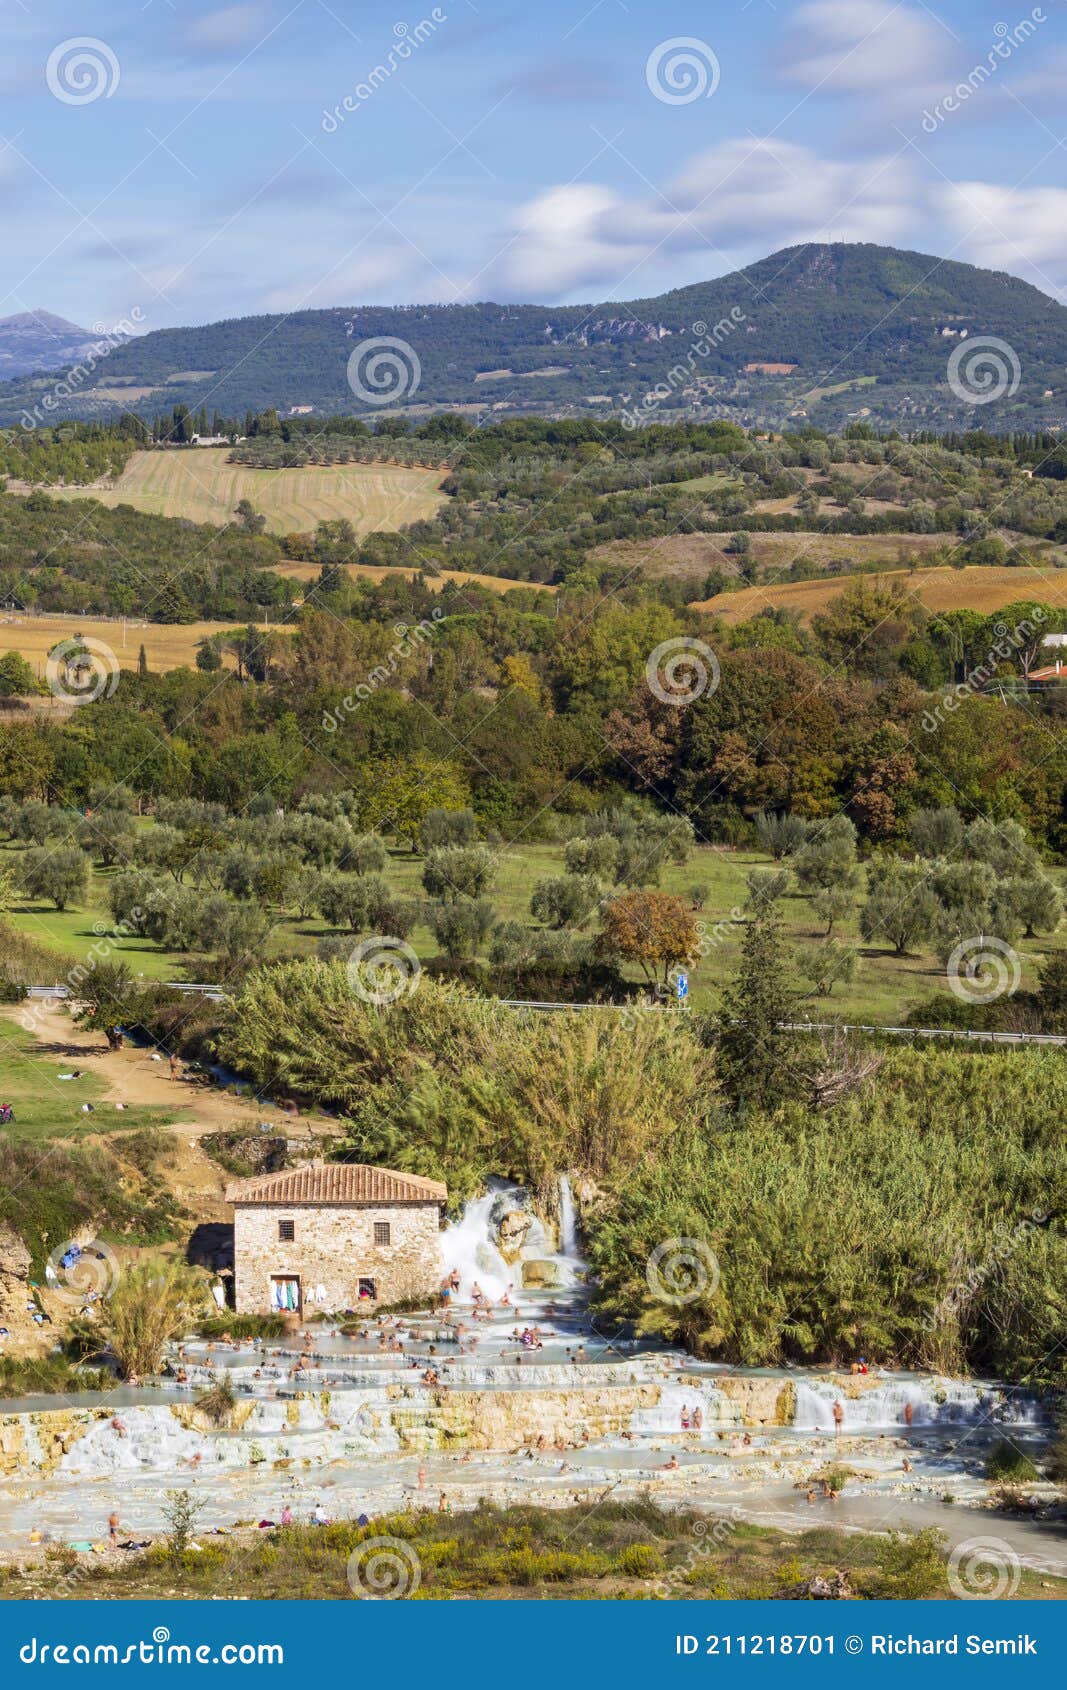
x=152, y=1303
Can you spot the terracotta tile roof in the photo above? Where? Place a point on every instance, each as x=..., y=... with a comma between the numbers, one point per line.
x=336, y=1182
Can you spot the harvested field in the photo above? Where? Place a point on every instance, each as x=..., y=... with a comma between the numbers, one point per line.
x=167, y=645
x=371, y=572
x=204, y=486
x=984, y=590
x=692, y=556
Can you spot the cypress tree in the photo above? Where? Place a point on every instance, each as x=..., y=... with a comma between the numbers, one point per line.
x=748, y=1038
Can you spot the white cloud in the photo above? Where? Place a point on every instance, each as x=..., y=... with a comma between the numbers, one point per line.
x=557, y=246
x=862, y=46
x=376, y=277
x=1021, y=230
x=772, y=191
x=229, y=28
x=733, y=203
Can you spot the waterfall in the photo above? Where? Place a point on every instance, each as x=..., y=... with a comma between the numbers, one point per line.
x=568, y=1220
x=500, y=1242
x=933, y=1402
x=468, y=1247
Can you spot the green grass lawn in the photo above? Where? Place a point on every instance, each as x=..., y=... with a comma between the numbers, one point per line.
x=884, y=989
x=47, y=1107
x=701, y=483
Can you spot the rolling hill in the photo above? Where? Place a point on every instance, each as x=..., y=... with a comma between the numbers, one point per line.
x=816, y=333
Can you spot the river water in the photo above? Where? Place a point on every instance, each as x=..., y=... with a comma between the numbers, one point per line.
x=442, y=1410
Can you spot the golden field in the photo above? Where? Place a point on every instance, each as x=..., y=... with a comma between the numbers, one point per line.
x=983, y=590
x=203, y=486
x=371, y=572
x=693, y=556
x=167, y=645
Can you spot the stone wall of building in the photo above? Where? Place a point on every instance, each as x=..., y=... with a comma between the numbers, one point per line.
x=333, y=1247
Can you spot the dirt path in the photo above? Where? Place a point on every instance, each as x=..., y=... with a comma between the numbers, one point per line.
x=140, y=1076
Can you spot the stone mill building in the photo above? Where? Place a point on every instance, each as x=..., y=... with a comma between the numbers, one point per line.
x=334, y=1236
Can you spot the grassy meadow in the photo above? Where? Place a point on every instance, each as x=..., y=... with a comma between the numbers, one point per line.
x=203, y=486
x=689, y=557
x=885, y=986
x=47, y=1107
x=374, y=574
x=167, y=645
x=985, y=590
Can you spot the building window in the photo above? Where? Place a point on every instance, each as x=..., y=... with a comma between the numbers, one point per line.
x=367, y=1289
x=286, y=1231
x=381, y=1233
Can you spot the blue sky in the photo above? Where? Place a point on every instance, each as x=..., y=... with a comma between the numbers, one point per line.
x=549, y=151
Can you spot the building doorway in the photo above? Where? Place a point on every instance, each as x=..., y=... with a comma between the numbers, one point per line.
x=285, y=1293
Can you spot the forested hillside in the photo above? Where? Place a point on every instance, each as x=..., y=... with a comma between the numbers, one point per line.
x=829, y=315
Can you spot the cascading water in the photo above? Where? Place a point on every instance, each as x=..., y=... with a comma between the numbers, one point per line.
x=468, y=1248
x=501, y=1245
x=568, y=1221
x=509, y=1399
x=907, y=1402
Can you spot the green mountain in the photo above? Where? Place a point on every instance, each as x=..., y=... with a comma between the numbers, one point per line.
x=857, y=330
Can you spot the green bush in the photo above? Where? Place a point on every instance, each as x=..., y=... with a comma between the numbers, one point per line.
x=241, y=1326
x=1005, y=1461
x=54, y=1375
x=910, y=1565
x=639, y=1560
x=949, y=1157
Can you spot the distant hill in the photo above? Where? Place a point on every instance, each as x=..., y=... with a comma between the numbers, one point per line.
x=37, y=340
x=842, y=332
